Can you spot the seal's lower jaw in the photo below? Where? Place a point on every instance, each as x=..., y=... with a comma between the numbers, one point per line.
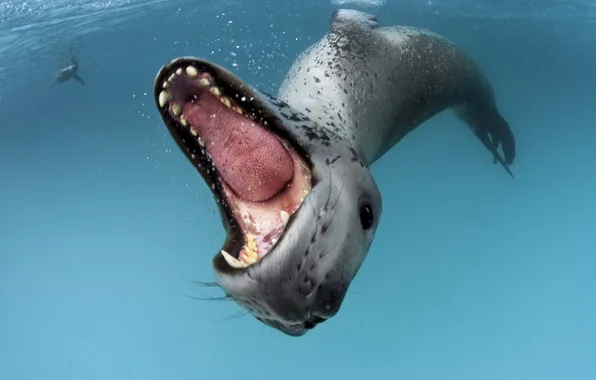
x=258, y=177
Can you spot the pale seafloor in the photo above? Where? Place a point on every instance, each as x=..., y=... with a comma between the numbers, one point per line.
x=105, y=228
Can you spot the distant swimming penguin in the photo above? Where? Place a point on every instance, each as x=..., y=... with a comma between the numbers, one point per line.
x=68, y=73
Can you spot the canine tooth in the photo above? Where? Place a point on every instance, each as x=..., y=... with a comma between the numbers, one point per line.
x=284, y=217
x=192, y=72
x=205, y=82
x=193, y=132
x=179, y=71
x=176, y=109
x=164, y=98
x=215, y=90
x=234, y=262
x=225, y=101
x=183, y=121
x=238, y=109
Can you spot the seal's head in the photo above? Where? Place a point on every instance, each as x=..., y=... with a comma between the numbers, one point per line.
x=299, y=206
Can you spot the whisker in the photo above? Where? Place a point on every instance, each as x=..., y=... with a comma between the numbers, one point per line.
x=208, y=284
x=225, y=297
x=206, y=298
x=238, y=314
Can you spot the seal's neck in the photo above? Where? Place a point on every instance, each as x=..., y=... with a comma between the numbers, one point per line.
x=327, y=89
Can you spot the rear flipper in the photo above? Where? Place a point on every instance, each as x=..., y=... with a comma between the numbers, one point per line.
x=492, y=130
x=501, y=135
x=79, y=79
x=493, y=146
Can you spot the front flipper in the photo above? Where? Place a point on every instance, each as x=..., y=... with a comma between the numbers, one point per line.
x=79, y=79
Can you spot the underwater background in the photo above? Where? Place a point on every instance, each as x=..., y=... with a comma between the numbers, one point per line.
x=105, y=227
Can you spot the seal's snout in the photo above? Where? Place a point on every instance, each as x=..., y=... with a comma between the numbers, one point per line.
x=313, y=321
x=295, y=330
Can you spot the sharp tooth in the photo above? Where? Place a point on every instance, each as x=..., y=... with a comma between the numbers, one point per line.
x=234, y=262
x=193, y=132
x=251, y=250
x=205, y=82
x=179, y=71
x=238, y=109
x=165, y=84
x=176, y=109
x=251, y=242
x=284, y=217
x=192, y=72
x=215, y=90
x=248, y=260
x=251, y=253
x=225, y=101
x=183, y=121
x=172, y=77
x=201, y=142
x=164, y=98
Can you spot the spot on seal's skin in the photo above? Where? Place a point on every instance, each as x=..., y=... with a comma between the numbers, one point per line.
x=382, y=82
x=347, y=100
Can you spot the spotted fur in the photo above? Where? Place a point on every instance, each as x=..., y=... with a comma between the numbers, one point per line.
x=373, y=85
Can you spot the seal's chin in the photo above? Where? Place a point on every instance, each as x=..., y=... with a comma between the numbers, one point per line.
x=258, y=177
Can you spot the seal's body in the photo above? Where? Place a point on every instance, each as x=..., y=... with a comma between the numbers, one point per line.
x=374, y=85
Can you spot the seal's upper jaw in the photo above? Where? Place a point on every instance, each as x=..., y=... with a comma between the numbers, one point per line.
x=258, y=176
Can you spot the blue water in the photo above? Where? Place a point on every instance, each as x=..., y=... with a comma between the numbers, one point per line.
x=105, y=228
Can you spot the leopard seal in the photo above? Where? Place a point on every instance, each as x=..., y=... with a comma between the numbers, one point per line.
x=290, y=174
x=69, y=72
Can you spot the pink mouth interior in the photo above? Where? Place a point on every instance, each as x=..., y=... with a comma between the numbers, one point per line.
x=252, y=161
x=261, y=174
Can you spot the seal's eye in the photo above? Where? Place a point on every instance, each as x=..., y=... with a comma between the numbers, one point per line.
x=366, y=217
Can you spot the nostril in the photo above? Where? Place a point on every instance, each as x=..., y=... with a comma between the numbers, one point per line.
x=312, y=322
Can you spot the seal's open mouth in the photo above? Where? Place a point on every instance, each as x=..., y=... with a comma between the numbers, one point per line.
x=258, y=178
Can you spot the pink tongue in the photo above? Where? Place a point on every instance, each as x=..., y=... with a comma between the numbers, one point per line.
x=250, y=160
